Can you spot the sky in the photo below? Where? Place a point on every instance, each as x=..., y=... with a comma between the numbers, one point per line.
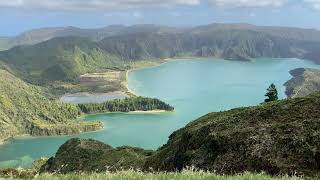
x=17, y=16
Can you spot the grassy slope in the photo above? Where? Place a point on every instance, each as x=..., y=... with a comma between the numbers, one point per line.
x=278, y=137
x=25, y=110
x=185, y=175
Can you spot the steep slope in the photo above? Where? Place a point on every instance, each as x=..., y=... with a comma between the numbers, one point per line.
x=146, y=45
x=303, y=82
x=234, y=42
x=279, y=138
x=59, y=59
x=25, y=110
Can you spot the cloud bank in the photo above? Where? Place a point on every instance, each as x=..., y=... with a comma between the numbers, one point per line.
x=250, y=3
x=109, y=5
x=91, y=4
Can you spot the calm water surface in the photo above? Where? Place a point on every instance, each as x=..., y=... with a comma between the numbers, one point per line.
x=193, y=87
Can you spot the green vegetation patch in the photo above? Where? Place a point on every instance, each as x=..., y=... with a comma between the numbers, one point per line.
x=94, y=156
x=126, y=105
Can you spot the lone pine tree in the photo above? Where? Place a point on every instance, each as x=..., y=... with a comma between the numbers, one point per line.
x=272, y=93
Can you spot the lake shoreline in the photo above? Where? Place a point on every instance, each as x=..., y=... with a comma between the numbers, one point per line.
x=130, y=112
x=28, y=136
x=111, y=95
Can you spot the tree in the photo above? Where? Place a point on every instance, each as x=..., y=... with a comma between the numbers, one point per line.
x=272, y=93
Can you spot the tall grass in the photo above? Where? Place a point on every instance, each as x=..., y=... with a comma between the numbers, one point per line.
x=136, y=175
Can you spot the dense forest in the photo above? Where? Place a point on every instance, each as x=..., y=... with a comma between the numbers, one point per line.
x=126, y=105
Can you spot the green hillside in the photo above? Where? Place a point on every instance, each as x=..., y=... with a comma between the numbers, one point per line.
x=60, y=59
x=25, y=110
x=278, y=138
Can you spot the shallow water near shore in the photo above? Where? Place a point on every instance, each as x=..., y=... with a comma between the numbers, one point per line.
x=193, y=87
x=82, y=98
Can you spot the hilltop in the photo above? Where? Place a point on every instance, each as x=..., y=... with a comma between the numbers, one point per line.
x=43, y=34
x=278, y=138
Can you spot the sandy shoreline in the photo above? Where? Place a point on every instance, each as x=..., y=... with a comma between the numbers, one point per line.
x=113, y=93
x=129, y=91
x=149, y=112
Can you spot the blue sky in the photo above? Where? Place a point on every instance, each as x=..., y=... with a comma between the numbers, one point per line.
x=17, y=16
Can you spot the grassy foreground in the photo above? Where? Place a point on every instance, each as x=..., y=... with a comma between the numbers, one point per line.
x=131, y=174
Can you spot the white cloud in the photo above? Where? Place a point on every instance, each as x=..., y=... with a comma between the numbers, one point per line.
x=91, y=4
x=250, y=3
x=137, y=14
x=114, y=5
x=313, y=3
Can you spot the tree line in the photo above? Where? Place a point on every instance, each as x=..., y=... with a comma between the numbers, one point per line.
x=126, y=105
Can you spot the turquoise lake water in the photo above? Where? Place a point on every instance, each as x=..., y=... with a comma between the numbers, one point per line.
x=193, y=87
